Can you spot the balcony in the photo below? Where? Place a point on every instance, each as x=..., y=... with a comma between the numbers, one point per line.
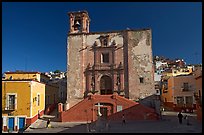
x=105, y=66
x=186, y=89
x=10, y=107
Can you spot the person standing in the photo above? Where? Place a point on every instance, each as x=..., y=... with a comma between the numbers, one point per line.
x=38, y=114
x=187, y=120
x=180, y=117
x=123, y=119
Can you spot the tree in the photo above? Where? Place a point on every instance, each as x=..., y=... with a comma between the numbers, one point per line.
x=57, y=71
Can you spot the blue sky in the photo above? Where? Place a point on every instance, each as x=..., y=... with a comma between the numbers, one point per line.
x=34, y=34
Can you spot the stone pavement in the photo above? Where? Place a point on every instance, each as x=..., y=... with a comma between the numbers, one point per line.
x=40, y=126
x=168, y=124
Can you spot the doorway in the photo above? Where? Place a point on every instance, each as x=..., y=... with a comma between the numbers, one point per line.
x=11, y=124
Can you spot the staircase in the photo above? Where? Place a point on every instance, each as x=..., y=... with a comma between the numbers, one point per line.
x=86, y=111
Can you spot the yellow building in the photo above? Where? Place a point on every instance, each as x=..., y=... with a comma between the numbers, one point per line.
x=182, y=71
x=177, y=71
x=23, y=99
x=51, y=93
x=167, y=76
x=22, y=75
x=52, y=97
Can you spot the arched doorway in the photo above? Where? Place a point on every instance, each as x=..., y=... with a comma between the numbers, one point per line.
x=103, y=110
x=106, y=85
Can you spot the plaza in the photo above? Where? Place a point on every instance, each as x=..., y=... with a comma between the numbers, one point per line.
x=168, y=124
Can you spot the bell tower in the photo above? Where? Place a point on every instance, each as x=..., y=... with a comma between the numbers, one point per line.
x=79, y=22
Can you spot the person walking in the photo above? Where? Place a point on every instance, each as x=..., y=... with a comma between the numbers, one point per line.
x=180, y=117
x=48, y=123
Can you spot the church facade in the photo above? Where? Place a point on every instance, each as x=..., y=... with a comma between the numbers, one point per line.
x=106, y=63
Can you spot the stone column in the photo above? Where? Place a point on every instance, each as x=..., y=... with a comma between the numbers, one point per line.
x=16, y=124
x=115, y=81
x=97, y=84
x=71, y=21
x=83, y=24
x=5, y=124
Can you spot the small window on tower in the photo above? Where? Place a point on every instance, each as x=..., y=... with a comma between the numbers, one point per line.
x=141, y=80
x=105, y=58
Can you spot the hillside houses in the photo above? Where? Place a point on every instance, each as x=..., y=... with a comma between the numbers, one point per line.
x=177, y=83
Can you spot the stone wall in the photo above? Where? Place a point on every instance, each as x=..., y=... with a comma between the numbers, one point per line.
x=74, y=79
x=140, y=64
x=133, y=49
x=81, y=54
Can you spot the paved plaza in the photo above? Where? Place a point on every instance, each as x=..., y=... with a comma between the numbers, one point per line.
x=168, y=124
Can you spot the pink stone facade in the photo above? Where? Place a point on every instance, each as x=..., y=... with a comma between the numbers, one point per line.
x=105, y=64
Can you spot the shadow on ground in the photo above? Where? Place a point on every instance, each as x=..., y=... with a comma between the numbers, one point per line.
x=76, y=129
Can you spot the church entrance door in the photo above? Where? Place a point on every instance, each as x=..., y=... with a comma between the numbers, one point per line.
x=106, y=85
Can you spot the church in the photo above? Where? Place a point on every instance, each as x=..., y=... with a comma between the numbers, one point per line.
x=107, y=72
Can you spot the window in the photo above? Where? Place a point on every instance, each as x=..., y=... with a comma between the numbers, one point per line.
x=11, y=101
x=141, y=80
x=189, y=101
x=105, y=58
x=38, y=99
x=180, y=101
x=185, y=87
x=11, y=104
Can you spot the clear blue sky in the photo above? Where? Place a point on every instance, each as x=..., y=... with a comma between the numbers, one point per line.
x=34, y=34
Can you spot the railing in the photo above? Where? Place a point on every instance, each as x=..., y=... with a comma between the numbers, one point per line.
x=10, y=107
x=106, y=66
x=186, y=89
